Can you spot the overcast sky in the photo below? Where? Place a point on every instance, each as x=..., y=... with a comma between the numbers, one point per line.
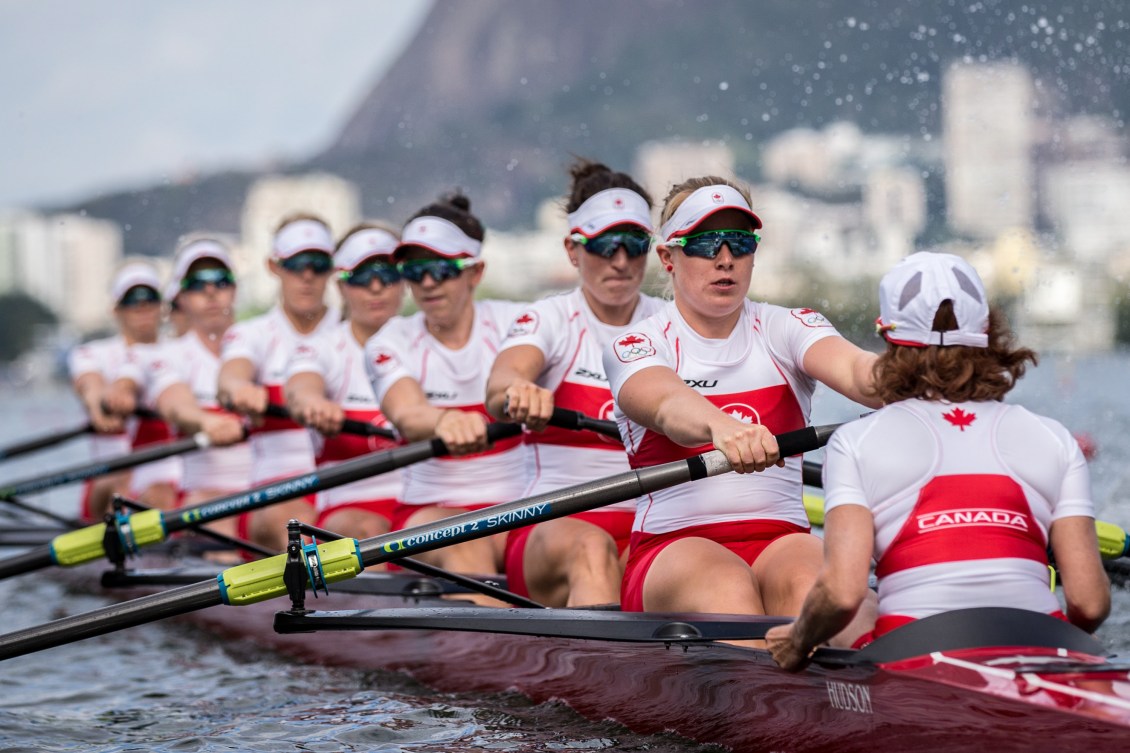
x=106, y=95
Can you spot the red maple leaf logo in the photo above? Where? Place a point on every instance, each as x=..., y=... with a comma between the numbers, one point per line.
x=382, y=358
x=802, y=312
x=630, y=340
x=960, y=418
x=524, y=319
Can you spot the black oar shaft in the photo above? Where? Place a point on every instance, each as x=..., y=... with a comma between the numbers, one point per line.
x=348, y=426
x=101, y=468
x=42, y=443
x=111, y=618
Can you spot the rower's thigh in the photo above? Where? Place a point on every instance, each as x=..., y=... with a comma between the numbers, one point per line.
x=786, y=570
x=699, y=575
x=556, y=545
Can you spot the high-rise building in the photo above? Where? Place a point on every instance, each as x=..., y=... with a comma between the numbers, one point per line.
x=988, y=129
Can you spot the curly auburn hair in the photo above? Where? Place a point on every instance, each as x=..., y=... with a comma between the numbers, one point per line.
x=955, y=373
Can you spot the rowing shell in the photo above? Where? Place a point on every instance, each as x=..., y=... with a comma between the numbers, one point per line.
x=660, y=673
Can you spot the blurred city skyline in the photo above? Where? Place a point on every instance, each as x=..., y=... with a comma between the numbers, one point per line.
x=105, y=97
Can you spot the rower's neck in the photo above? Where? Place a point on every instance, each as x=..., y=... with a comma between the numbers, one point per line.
x=456, y=333
x=615, y=315
x=362, y=333
x=304, y=324
x=710, y=327
x=212, y=341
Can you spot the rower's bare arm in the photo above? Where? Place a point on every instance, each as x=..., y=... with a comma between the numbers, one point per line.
x=845, y=367
x=179, y=407
x=236, y=388
x=840, y=588
x=90, y=388
x=1086, y=588
x=308, y=405
x=407, y=407
x=512, y=394
x=657, y=398
x=120, y=397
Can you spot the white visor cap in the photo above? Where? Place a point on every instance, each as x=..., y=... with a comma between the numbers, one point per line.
x=194, y=251
x=703, y=203
x=301, y=235
x=609, y=208
x=910, y=294
x=362, y=245
x=130, y=276
x=441, y=236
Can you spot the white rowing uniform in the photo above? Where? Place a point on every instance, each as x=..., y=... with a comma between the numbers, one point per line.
x=963, y=495
x=186, y=360
x=106, y=357
x=340, y=361
x=103, y=357
x=755, y=375
x=279, y=447
x=571, y=338
x=451, y=379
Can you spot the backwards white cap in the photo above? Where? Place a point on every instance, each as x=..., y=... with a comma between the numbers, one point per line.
x=301, y=235
x=363, y=244
x=703, y=203
x=194, y=251
x=608, y=208
x=909, y=296
x=441, y=236
x=130, y=276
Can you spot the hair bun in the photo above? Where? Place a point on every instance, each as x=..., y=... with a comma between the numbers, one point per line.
x=582, y=169
x=458, y=201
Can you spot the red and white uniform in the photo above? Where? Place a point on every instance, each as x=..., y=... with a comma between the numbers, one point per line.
x=107, y=358
x=963, y=495
x=754, y=375
x=155, y=368
x=451, y=379
x=279, y=447
x=572, y=339
x=340, y=360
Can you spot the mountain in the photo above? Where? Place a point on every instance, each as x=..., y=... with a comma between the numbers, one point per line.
x=494, y=96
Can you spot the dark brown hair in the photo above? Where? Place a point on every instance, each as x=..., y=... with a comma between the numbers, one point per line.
x=367, y=225
x=955, y=372
x=590, y=178
x=455, y=208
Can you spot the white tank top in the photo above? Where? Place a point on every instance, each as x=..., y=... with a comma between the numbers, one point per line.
x=962, y=495
x=103, y=357
x=754, y=375
x=451, y=379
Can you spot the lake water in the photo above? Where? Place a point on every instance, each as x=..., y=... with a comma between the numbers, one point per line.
x=168, y=687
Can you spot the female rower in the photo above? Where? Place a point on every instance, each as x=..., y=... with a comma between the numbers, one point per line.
x=93, y=367
x=179, y=377
x=552, y=356
x=327, y=383
x=429, y=374
x=714, y=368
x=989, y=485
x=253, y=370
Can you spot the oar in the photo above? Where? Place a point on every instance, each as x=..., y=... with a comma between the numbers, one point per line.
x=147, y=454
x=154, y=526
x=1114, y=541
x=345, y=558
x=42, y=443
x=348, y=426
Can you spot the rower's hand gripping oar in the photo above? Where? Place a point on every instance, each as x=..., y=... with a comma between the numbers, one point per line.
x=339, y=560
x=132, y=532
x=348, y=426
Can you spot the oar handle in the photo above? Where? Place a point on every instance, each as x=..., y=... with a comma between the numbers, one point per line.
x=42, y=443
x=348, y=426
x=563, y=418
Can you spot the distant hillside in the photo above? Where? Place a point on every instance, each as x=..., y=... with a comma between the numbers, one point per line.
x=494, y=95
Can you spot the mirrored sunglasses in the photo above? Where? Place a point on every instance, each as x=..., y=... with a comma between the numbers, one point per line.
x=606, y=245
x=196, y=281
x=439, y=269
x=364, y=275
x=318, y=262
x=708, y=245
x=139, y=295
